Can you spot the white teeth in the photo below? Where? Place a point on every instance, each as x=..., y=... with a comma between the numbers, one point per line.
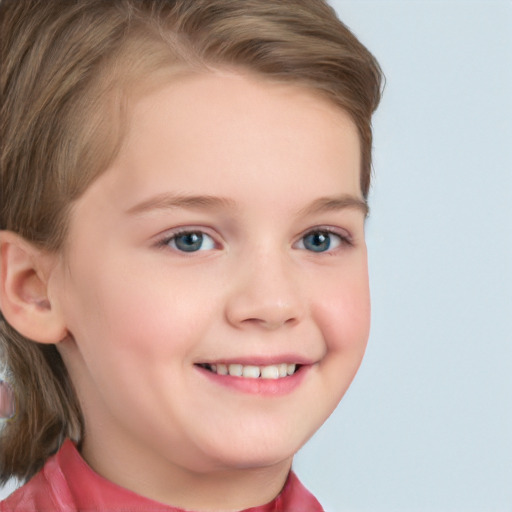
x=236, y=370
x=270, y=372
x=275, y=371
x=222, y=369
x=252, y=372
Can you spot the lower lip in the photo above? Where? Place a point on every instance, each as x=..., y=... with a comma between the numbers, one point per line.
x=259, y=386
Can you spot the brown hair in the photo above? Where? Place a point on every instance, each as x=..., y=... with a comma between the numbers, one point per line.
x=68, y=67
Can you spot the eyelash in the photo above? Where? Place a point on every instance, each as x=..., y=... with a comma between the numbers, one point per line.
x=344, y=239
x=165, y=242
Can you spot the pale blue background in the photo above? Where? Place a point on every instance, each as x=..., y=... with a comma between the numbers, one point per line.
x=427, y=424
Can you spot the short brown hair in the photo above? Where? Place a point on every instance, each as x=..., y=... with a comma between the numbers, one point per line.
x=68, y=67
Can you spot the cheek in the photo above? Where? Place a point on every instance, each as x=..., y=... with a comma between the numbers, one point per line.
x=142, y=313
x=343, y=312
x=343, y=315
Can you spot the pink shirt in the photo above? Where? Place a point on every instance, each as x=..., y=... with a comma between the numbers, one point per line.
x=67, y=484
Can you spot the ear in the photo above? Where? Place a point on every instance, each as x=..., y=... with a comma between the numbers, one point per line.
x=24, y=301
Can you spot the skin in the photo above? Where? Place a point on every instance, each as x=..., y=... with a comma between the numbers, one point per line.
x=140, y=314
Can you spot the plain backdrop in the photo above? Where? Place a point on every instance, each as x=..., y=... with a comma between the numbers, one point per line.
x=427, y=424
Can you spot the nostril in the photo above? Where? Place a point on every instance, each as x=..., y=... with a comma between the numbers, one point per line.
x=272, y=323
x=264, y=307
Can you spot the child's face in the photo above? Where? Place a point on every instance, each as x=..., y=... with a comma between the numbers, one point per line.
x=272, y=270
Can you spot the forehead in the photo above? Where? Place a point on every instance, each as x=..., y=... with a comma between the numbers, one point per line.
x=226, y=134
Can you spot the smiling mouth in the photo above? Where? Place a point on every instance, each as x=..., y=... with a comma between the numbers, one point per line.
x=271, y=372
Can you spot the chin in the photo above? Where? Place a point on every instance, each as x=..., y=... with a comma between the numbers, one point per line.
x=260, y=453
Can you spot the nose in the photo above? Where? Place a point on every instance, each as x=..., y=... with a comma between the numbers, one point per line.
x=266, y=294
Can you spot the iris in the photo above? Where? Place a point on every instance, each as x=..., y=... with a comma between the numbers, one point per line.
x=189, y=242
x=318, y=241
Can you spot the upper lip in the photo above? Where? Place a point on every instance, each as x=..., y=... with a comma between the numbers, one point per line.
x=261, y=360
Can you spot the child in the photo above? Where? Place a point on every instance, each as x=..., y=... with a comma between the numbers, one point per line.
x=184, y=283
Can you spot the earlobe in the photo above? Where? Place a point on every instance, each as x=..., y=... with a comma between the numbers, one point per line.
x=24, y=300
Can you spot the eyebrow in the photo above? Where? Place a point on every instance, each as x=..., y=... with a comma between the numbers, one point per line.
x=206, y=202
x=325, y=204
x=173, y=201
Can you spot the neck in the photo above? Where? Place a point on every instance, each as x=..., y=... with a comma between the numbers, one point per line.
x=226, y=490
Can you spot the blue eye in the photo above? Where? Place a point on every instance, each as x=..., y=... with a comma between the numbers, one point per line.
x=321, y=241
x=191, y=241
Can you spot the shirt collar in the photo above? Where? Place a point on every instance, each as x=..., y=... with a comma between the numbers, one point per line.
x=76, y=486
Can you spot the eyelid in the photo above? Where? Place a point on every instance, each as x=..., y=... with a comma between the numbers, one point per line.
x=163, y=240
x=345, y=237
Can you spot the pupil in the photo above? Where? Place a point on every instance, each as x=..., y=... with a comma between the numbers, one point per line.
x=317, y=242
x=189, y=242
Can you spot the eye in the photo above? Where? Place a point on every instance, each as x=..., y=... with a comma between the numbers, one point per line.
x=322, y=240
x=190, y=241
